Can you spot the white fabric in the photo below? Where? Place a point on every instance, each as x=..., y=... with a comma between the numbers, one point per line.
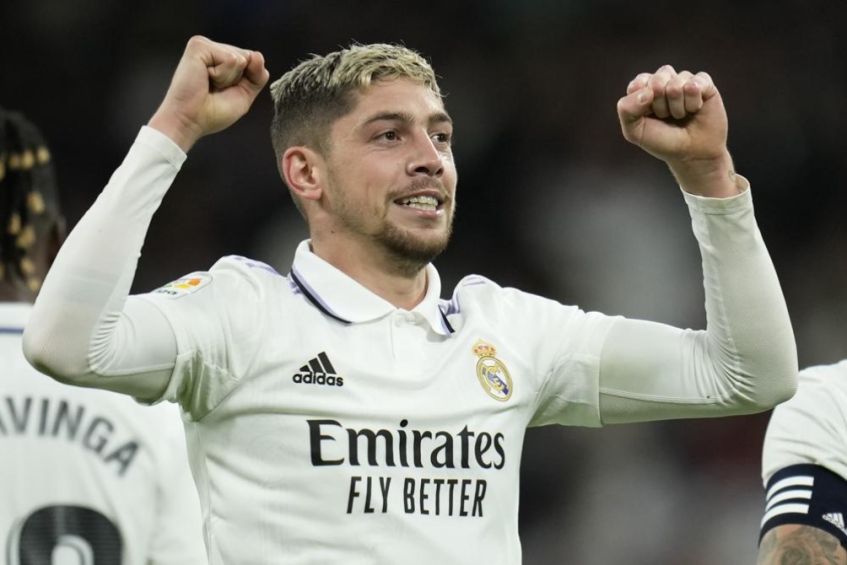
x=746, y=361
x=811, y=428
x=272, y=455
x=67, y=446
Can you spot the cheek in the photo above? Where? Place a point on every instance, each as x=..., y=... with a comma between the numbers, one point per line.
x=451, y=175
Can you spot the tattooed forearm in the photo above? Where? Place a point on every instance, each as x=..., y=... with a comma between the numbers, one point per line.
x=800, y=545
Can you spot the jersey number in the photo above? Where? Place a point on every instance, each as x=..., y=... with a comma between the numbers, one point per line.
x=66, y=534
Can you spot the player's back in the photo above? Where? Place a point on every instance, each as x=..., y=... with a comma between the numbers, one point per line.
x=87, y=476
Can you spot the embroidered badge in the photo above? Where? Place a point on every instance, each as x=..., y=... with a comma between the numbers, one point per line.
x=492, y=373
x=185, y=285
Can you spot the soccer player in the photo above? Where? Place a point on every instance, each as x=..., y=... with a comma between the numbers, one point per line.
x=345, y=412
x=86, y=476
x=804, y=467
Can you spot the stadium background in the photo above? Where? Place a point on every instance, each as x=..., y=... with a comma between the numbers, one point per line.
x=552, y=199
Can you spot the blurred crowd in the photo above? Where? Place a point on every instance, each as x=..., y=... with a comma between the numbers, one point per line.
x=551, y=198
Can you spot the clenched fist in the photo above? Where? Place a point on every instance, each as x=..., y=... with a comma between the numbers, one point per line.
x=680, y=119
x=213, y=86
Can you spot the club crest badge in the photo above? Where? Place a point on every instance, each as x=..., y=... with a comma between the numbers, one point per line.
x=492, y=373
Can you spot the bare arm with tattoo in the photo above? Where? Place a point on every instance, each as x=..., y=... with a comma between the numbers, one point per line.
x=793, y=544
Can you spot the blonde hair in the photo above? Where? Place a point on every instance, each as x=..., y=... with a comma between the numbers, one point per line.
x=318, y=91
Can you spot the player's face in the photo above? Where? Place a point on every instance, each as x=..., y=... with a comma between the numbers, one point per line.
x=392, y=177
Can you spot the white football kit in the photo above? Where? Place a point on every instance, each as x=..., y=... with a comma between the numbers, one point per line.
x=804, y=458
x=327, y=426
x=87, y=476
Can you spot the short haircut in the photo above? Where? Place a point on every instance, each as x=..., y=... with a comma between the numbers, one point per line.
x=318, y=91
x=29, y=199
x=311, y=96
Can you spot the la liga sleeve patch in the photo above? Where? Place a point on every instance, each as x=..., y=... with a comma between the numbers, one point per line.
x=184, y=286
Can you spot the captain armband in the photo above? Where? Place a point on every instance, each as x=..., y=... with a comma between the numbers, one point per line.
x=808, y=495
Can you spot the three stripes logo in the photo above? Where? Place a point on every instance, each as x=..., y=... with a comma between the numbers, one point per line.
x=791, y=495
x=318, y=371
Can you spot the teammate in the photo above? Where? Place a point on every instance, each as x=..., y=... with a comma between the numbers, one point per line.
x=87, y=476
x=345, y=413
x=804, y=467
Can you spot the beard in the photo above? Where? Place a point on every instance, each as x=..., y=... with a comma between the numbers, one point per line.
x=409, y=252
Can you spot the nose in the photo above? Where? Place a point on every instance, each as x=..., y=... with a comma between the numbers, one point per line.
x=425, y=158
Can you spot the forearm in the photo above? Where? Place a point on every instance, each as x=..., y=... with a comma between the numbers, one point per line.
x=78, y=321
x=745, y=361
x=798, y=544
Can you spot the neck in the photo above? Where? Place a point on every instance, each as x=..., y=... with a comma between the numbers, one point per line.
x=397, y=280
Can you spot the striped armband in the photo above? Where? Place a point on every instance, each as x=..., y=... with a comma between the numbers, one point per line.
x=809, y=495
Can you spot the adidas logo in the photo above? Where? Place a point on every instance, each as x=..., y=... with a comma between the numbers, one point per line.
x=835, y=518
x=318, y=371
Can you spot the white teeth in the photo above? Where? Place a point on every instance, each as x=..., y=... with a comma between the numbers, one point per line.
x=421, y=202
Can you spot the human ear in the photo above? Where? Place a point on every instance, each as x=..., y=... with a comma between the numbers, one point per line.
x=303, y=170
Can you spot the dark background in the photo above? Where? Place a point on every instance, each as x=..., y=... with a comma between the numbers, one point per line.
x=552, y=199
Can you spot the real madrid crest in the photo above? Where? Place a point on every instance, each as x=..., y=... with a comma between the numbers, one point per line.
x=492, y=373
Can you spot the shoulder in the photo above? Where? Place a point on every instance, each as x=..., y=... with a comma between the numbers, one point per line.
x=821, y=389
x=476, y=297
x=477, y=290
x=230, y=275
x=811, y=427
x=245, y=270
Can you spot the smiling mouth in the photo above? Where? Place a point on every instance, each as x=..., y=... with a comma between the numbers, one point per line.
x=426, y=203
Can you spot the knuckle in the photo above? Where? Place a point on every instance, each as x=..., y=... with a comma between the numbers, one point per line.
x=674, y=89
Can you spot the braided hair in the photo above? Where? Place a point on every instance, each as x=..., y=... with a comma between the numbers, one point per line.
x=28, y=198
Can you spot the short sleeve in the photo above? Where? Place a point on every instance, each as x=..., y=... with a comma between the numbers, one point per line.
x=559, y=344
x=811, y=427
x=570, y=391
x=217, y=319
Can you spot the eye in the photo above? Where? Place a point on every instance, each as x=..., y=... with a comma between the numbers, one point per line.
x=442, y=138
x=390, y=135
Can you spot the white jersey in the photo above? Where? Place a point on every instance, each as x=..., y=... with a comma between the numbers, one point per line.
x=349, y=452
x=86, y=476
x=325, y=425
x=811, y=428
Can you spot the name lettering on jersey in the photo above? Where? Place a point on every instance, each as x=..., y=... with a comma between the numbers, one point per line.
x=333, y=444
x=318, y=371
x=185, y=286
x=492, y=373
x=51, y=418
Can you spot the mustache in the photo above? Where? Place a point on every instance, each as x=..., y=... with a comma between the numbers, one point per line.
x=426, y=183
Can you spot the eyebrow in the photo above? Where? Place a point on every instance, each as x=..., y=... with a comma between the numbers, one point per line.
x=436, y=118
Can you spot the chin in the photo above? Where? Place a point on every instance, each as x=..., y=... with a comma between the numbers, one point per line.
x=414, y=249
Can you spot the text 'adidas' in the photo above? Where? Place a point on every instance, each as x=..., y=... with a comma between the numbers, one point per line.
x=318, y=371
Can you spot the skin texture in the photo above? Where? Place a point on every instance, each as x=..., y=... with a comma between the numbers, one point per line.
x=793, y=544
x=393, y=145
x=680, y=118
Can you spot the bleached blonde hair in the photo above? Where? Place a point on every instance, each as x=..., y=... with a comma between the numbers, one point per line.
x=311, y=96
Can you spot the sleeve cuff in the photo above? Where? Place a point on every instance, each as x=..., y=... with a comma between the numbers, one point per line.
x=162, y=144
x=708, y=205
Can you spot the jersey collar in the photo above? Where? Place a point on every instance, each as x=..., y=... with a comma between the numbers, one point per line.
x=341, y=297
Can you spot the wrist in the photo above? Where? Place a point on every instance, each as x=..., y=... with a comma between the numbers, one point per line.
x=711, y=177
x=179, y=130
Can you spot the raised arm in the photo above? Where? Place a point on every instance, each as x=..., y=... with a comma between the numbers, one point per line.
x=745, y=361
x=213, y=86
x=83, y=329
x=680, y=118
